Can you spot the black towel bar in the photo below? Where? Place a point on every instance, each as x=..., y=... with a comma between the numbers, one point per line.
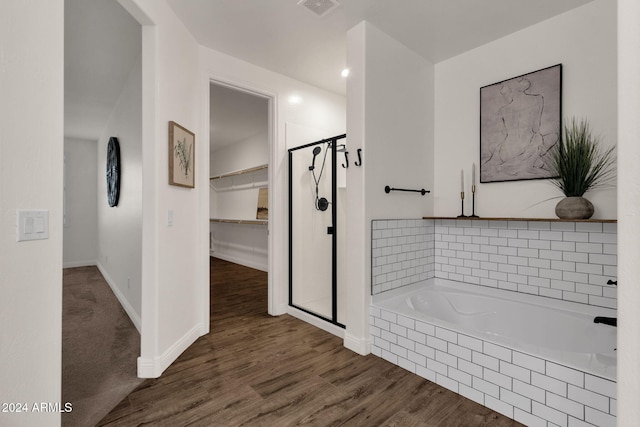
x=422, y=191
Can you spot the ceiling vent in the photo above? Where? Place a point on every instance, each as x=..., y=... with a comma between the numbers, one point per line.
x=319, y=7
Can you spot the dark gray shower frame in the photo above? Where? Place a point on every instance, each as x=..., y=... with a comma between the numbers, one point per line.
x=333, y=142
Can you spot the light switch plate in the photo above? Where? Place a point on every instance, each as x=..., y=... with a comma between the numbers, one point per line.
x=32, y=225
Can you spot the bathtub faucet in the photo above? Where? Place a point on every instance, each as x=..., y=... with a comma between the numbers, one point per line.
x=611, y=321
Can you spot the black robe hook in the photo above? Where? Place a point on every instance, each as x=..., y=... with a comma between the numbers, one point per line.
x=359, y=161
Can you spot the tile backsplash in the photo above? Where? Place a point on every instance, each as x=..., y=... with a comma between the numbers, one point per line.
x=565, y=260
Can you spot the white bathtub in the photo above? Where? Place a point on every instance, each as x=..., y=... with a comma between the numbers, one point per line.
x=555, y=330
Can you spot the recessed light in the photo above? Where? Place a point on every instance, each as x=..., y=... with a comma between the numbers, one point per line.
x=345, y=72
x=295, y=100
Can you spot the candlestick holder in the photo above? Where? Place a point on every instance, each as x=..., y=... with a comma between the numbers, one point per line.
x=462, y=215
x=473, y=202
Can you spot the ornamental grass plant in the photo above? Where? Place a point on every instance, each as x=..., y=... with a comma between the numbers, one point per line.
x=578, y=163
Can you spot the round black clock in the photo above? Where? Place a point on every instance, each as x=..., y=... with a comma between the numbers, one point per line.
x=113, y=171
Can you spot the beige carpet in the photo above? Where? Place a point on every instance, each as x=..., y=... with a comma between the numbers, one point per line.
x=100, y=347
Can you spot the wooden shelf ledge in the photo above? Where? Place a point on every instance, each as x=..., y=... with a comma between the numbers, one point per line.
x=240, y=221
x=520, y=219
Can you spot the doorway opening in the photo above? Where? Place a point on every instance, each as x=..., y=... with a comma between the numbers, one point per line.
x=239, y=157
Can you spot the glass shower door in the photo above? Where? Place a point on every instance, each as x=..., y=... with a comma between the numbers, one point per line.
x=312, y=220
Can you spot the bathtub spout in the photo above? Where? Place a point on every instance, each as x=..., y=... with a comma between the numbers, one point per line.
x=612, y=321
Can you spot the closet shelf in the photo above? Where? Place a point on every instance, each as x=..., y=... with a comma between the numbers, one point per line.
x=240, y=172
x=240, y=221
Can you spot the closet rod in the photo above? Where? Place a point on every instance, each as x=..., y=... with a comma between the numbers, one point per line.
x=422, y=191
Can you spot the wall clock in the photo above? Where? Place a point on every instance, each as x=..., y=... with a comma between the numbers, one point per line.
x=113, y=171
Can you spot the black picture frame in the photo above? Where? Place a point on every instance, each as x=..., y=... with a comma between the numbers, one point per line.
x=113, y=171
x=520, y=122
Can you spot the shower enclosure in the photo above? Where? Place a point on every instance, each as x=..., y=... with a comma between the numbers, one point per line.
x=315, y=229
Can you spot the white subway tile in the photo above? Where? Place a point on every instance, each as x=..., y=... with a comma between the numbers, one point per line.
x=509, y=234
x=551, y=293
x=426, y=373
x=540, y=282
x=458, y=351
x=396, y=349
x=563, y=265
x=613, y=407
x=552, y=255
x=595, y=227
x=389, y=357
x=551, y=235
x=572, y=296
x=518, y=243
x=588, y=398
x=563, y=226
x=528, y=271
x=518, y=278
x=437, y=367
x=486, y=361
x=515, y=371
x=506, y=250
x=407, y=364
x=603, y=238
x=589, y=268
x=610, y=249
x=528, y=253
x=532, y=392
x=497, y=378
x=416, y=336
x=550, y=384
x=565, y=405
x=528, y=419
x=446, y=382
x=518, y=225
x=528, y=362
x=550, y=274
x=510, y=286
x=416, y=358
x=499, y=406
x=565, y=246
x=549, y=414
x=470, y=393
x=575, y=236
x=460, y=376
x=539, y=225
x=506, y=268
x=528, y=234
x=470, y=368
x=498, y=224
x=498, y=275
x=563, y=285
x=470, y=342
x=436, y=343
x=609, y=227
x=486, y=387
x=603, y=259
x=425, y=328
x=589, y=289
x=593, y=248
x=398, y=330
x=603, y=302
x=540, y=244
x=598, y=418
x=575, y=256
x=446, y=358
x=515, y=400
x=571, y=276
x=489, y=266
x=406, y=343
x=382, y=324
x=424, y=350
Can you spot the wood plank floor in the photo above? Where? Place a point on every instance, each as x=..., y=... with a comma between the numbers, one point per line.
x=257, y=370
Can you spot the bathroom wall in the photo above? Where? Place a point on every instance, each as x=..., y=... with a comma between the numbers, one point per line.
x=390, y=95
x=584, y=40
x=571, y=261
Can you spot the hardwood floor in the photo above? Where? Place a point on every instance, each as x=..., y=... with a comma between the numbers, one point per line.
x=257, y=370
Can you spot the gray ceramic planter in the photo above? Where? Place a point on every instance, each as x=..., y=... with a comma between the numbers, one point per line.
x=574, y=208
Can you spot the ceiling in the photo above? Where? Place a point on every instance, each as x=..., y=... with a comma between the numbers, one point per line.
x=101, y=43
x=102, y=40
x=285, y=37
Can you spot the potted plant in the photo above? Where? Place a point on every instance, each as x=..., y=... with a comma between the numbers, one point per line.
x=579, y=164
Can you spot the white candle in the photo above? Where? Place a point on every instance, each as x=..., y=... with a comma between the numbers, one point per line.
x=473, y=174
x=462, y=180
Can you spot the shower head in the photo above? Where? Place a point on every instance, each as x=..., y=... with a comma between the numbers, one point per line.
x=316, y=151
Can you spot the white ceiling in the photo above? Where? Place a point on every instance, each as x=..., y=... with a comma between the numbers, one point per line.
x=101, y=43
x=102, y=40
x=287, y=38
x=235, y=116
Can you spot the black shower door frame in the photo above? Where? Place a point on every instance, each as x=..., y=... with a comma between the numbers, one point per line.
x=332, y=143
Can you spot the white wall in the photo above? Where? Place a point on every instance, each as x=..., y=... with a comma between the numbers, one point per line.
x=584, y=41
x=390, y=115
x=80, y=228
x=120, y=227
x=31, y=165
x=628, y=389
x=175, y=260
x=318, y=109
x=244, y=244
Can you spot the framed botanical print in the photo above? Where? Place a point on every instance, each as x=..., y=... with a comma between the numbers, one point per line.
x=181, y=156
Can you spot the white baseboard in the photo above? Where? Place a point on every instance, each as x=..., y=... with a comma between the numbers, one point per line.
x=361, y=346
x=154, y=367
x=236, y=260
x=135, y=318
x=74, y=264
x=315, y=321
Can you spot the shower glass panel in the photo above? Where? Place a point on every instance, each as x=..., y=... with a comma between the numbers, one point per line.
x=312, y=229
